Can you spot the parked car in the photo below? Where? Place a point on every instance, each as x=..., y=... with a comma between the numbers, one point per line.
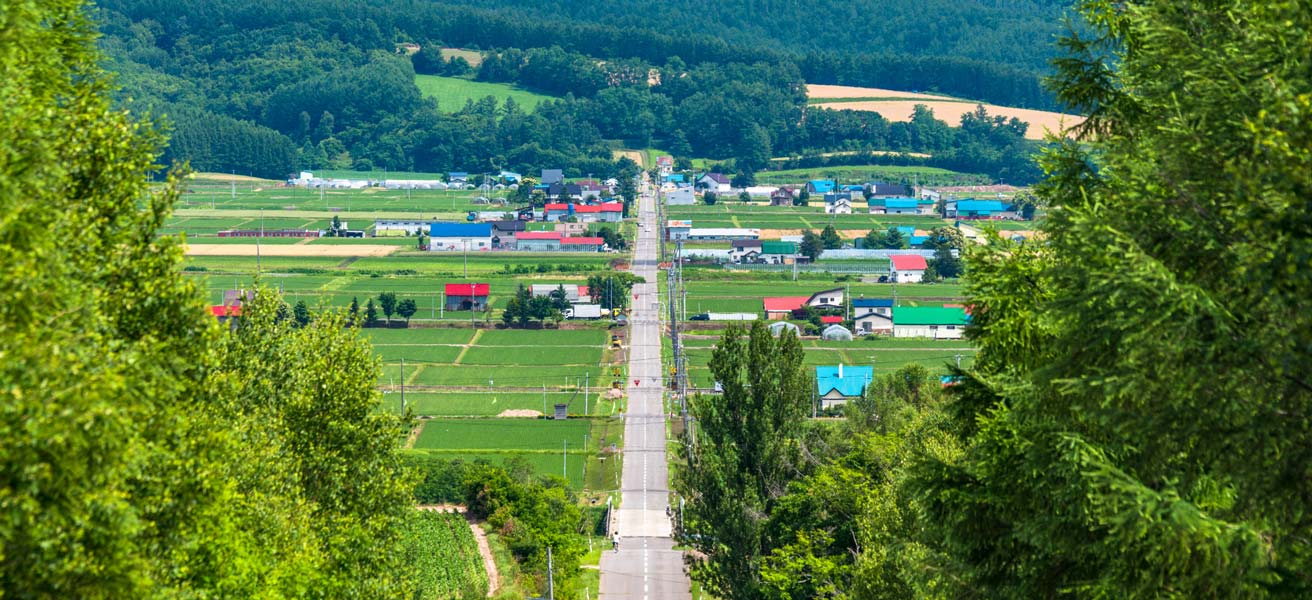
x=701, y=317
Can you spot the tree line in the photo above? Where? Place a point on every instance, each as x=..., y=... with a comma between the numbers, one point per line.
x=242, y=93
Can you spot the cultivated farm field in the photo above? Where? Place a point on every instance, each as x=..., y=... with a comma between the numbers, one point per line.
x=445, y=555
x=899, y=106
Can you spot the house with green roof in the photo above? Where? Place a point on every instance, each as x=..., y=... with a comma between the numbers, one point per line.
x=939, y=323
x=778, y=253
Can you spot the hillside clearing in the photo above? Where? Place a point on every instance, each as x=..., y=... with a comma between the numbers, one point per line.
x=900, y=106
x=473, y=57
x=451, y=93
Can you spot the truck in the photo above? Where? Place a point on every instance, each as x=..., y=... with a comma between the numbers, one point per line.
x=730, y=316
x=583, y=311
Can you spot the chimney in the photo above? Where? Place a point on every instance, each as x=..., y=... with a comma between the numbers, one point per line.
x=840, y=370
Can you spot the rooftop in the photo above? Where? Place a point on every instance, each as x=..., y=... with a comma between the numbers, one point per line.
x=852, y=381
x=785, y=303
x=908, y=262
x=460, y=229
x=923, y=315
x=467, y=289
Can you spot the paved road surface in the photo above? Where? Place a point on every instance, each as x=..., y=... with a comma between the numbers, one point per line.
x=646, y=567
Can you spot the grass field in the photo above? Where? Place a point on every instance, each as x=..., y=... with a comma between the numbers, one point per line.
x=788, y=220
x=451, y=93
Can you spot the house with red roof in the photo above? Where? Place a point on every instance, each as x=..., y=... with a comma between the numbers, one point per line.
x=831, y=320
x=538, y=241
x=907, y=268
x=781, y=308
x=466, y=296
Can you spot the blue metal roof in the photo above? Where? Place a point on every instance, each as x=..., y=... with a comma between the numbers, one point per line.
x=872, y=303
x=918, y=240
x=460, y=229
x=677, y=177
x=985, y=206
x=906, y=229
x=900, y=203
x=822, y=185
x=851, y=384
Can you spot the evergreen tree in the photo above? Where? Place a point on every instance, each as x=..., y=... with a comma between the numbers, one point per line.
x=1137, y=417
x=301, y=313
x=370, y=314
x=829, y=238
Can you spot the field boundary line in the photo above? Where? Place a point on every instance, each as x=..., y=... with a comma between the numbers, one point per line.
x=473, y=340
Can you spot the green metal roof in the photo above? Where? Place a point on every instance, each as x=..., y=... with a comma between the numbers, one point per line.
x=918, y=315
x=778, y=248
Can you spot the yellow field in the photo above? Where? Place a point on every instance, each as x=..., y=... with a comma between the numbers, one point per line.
x=473, y=57
x=899, y=106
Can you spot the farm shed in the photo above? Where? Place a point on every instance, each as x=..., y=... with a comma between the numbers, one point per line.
x=929, y=322
x=466, y=296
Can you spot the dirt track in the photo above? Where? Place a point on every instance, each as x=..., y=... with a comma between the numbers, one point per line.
x=341, y=250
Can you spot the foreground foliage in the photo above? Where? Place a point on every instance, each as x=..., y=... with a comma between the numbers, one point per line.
x=146, y=452
x=1135, y=423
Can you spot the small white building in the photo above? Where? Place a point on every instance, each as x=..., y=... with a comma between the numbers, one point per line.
x=908, y=268
x=872, y=323
x=838, y=204
x=399, y=227
x=929, y=322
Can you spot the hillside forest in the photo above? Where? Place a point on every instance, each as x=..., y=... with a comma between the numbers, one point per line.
x=266, y=89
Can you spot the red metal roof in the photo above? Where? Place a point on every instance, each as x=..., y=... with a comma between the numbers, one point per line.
x=225, y=311
x=909, y=262
x=463, y=289
x=831, y=319
x=787, y=303
x=538, y=235
x=599, y=208
x=589, y=241
x=556, y=206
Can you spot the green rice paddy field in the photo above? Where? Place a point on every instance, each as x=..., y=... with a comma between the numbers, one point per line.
x=578, y=449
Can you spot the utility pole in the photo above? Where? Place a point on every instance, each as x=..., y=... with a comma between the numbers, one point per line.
x=564, y=460
x=403, y=384
x=586, y=377
x=958, y=362
x=551, y=581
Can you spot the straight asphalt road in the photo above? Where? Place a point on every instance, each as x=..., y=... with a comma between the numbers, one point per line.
x=646, y=566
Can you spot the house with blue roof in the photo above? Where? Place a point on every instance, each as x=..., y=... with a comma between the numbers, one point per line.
x=872, y=316
x=460, y=236
x=820, y=186
x=459, y=177
x=834, y=386
x=899, y=206
x=980, y=209
x=839, y=203
x=917, y=241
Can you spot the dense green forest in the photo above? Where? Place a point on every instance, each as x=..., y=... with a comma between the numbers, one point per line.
x=267, y=89
x=1135, y=421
